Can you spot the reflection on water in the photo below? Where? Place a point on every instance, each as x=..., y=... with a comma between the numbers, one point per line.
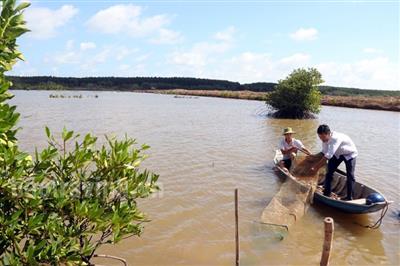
x=204, y=148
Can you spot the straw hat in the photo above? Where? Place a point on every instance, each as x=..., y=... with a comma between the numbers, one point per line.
x=288, y=130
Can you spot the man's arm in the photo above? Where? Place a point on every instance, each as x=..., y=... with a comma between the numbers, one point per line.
x=305, y=150
x=299, y=146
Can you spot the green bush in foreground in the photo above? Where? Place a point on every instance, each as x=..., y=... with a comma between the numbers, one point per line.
x=297, y=96
x=61, y=204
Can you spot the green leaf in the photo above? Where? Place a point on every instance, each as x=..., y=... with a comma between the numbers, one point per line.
x=30, y=254
x=21, y=156
x=69, y=135
x=47, y=132
x=66, y=135
x=22, y=6
x=16, y=215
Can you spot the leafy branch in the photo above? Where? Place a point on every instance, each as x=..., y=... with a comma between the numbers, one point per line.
x=61, y=204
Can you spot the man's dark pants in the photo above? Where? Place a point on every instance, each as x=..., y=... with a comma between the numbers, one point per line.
x=333, y=164
x=287, y=163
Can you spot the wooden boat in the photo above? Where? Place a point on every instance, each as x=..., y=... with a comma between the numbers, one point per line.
x=360, y=192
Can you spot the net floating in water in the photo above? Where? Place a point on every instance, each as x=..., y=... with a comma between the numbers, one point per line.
x=294, y=196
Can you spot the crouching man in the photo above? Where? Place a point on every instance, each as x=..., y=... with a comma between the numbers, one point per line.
x=289, y=147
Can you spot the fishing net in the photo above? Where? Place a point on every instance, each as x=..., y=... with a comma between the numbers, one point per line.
x=302, y=168
x=294, y=196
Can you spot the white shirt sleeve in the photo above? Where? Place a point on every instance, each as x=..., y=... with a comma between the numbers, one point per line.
x=297, y=143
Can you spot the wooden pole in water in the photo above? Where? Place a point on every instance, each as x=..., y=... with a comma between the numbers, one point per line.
x=237, y=227
x=327, y=246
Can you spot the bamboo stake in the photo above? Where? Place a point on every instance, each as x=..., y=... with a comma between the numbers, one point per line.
x=327, y=246
x=236, y=227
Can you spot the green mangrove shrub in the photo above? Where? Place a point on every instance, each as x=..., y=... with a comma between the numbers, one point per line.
x=298, y=95
x=59, y=205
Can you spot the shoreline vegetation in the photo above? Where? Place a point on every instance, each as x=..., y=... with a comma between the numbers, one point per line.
x=388, y=100
x=386, y=103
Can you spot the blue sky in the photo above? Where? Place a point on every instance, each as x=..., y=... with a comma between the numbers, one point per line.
x=352, y=43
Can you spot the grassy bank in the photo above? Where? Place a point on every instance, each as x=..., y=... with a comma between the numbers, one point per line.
x=388, y=103
x=372, y=102
x=245, y=95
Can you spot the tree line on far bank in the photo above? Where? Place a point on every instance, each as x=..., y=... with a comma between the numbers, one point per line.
x=167, y=83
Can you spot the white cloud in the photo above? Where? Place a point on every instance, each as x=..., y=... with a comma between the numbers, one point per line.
x=87, y=45
x=226, y=35
x=298, y=59
x=149, y=25
x=199, y=55
x=372, y=51
x=44, y=22
x=122, y=52
x=198, y=63
x=250, y=67
x=126, y=19
x=102, y=56
x=244, y=67
x=203, y=53
x=126, y=70
x=376, y=73
x=114, y=19
x=24, y=68
x=142, y=58
x=124, y=67
x=89, y=59
x=247, y=67
x=187, y=59
x=211, y=47
x=167, y=37
x=68, y=57
x=90, y=62
x=70, y=44
x=304, y=34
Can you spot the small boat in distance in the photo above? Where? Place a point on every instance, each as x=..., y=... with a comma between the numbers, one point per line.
x=361, y=193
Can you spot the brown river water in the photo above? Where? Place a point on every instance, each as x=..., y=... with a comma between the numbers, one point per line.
x=204, y=148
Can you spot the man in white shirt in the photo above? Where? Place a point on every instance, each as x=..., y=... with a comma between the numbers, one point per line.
x=337, y=147
x=289, y=146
